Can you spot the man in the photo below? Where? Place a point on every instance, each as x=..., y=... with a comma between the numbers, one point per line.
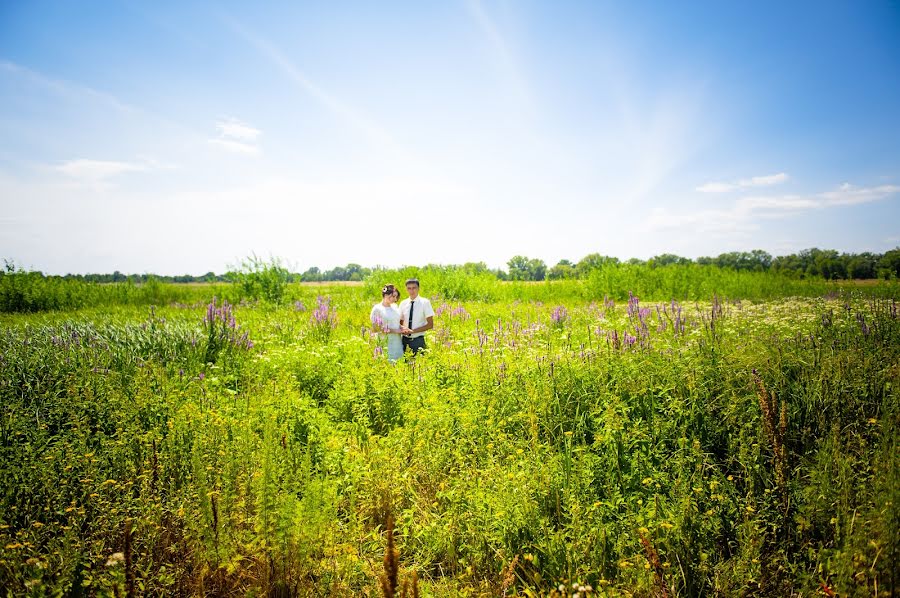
x=417, y=315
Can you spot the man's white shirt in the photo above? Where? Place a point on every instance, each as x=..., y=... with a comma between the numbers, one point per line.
x=421, y=312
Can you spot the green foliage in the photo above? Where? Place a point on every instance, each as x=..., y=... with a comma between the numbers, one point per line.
x=460, y=283
x=260, y=279
x=24, y=291
x=547, y=437
x=523, y=268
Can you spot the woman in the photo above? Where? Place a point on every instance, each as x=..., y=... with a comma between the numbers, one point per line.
x=386, y=319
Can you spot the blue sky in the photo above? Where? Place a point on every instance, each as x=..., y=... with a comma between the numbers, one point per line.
x=177, y=137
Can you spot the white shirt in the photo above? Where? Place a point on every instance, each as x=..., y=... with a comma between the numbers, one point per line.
x=421, y=312
x=385, y=316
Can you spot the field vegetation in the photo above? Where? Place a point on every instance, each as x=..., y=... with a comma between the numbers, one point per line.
x=646, y=430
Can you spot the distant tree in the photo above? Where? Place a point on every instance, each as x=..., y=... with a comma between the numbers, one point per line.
x=474, y=267
x=355, y=272
x=312, y=275
x=862, y=266
x=523, y=268
x=789, y=265
x=667, y=259
x=889, y=264
x=592, y=262
x=564, y=269
x=760, y=259
x=518, y=268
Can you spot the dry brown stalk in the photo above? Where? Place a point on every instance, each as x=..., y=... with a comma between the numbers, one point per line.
x=129, y=565
x=410, y=586
x=659, y=572
x=775, y=427
x=509, y=576
x=215, y=515
x=154, y=480
x=391, y=563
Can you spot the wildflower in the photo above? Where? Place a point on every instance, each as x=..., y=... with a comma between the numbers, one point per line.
x=115, y=558
x=559, y=315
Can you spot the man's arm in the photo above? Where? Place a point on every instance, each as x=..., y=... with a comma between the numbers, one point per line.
x=428, y=312
x=428, y=326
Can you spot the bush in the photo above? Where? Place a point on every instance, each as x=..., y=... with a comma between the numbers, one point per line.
x=263, y=280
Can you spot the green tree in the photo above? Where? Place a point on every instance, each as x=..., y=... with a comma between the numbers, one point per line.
x=889, y=264
x=564, y=269
x=667, y=259
x=523, y=268
x=593, y=261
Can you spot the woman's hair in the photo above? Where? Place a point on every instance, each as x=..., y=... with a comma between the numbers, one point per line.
x=388, y=289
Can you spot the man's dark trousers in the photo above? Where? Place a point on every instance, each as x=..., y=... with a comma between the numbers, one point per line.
x=415, y=344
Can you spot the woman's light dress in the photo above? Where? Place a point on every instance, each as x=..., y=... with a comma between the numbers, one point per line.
x=388, y=318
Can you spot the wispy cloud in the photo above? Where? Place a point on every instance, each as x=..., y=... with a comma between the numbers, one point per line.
x=757, y=181
x=66, y=88
x=503, y=56
x=232, y=127
x=236, y=136
x=745, y=213
x=342, y=110
x=96, y=171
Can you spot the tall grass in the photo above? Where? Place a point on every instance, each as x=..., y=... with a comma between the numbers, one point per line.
x=257, y=281
x=676, y=281
x=619, y=445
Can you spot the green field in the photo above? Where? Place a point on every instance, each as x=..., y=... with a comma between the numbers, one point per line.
x=555, y=433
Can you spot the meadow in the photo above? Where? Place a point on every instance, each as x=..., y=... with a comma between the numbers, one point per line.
x=683, y=432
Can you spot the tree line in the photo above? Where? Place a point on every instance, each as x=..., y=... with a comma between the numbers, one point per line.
x=815, y=263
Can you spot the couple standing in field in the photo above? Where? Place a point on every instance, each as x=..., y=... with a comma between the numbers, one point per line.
x=405, y=326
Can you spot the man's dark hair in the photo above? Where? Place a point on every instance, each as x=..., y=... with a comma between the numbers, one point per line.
x=414, y=281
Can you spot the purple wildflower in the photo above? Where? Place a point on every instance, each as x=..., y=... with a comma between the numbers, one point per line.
x=559, y=315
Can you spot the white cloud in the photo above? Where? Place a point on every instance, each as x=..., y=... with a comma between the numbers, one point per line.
x=238, y=147
x=764, y=181
x=235, y=129
x=848, y=195
x=236, y=136
x=757, y=181
x=746, y=212
x=715, y=187
x=95, y=171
